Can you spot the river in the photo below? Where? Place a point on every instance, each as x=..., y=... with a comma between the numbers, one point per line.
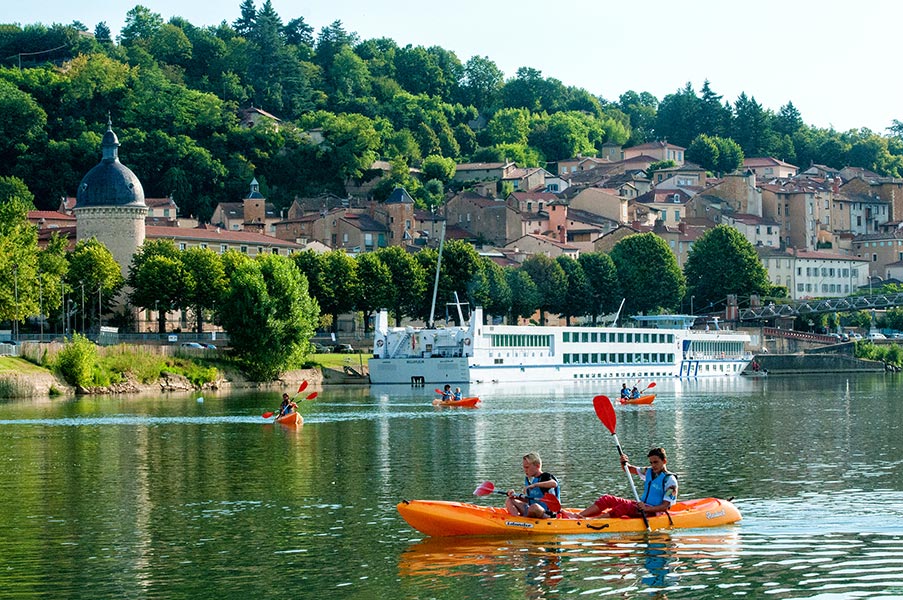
x=190, y=497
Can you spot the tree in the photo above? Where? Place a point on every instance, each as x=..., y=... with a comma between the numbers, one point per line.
x=551, y=284
x=752, y=126
x=140, y=25
x=641, y=111
x=713, y=118
x=605, y=290
x=158, y=279
x=723, y=262
x=376, y=280
x=439, y=168
x=19, y=294
x=495, y=295
x=406, y=294
x=22, y=121
x=649, y=275
x=460, y=264
x=509, y=126
x=481, y=84
x=577, y=300
x=95, y=279
x=340, y=285
x=730, y=155
x=244, y=24
x=704, y=152
x=206, y=282
x=677, y=119
x=524, y=295
x=269, y=315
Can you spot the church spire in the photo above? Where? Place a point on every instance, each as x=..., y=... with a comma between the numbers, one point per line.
x=110, y=143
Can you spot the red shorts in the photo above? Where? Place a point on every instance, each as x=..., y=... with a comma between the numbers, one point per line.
x=620, y=507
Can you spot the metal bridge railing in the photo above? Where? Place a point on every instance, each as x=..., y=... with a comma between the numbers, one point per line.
x=812, y=307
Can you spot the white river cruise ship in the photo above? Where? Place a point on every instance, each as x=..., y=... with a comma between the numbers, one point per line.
x=659, y=346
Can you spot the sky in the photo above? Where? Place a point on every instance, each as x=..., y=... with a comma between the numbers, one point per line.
x=835, y=60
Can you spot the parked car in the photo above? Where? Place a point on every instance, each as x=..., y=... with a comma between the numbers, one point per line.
x=343, y=349
x=191, y=345
x=876, y=335
x=855, y=335
x=208, y=346
x=320, y=348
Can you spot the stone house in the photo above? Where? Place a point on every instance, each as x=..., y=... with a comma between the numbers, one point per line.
x=532, y=244
x=814, y=274
x=253, y=213
x=767, y=167
x=491, y=220
x=468, y=172
x=657, y=150
x=880, y=250
x=601, y=202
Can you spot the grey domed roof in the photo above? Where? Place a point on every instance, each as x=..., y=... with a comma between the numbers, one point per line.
x=110, y=183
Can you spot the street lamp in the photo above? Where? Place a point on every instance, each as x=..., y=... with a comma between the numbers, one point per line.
x=691, y=305
x=82, y=283
x=16, y=288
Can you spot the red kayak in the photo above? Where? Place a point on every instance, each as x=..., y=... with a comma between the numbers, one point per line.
x=468, y=402
x=641, y=400
x=292, y=418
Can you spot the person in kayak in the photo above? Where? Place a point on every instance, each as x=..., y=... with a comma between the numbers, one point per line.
x=625, y=393
x=458, y=395
x=634, y=393
x=447, y=394
x=540, y=498
x=287, y=406
x=659, y=491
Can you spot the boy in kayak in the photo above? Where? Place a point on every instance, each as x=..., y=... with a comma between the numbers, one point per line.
x=287, y=406
x=447, y=394
x=625, y=393
x=540, y=495
x=659, y=491
x=458, y=395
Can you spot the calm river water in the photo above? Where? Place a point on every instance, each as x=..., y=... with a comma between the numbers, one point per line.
x=177, y=498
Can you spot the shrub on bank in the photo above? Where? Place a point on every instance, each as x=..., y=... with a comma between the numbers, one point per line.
x=75, y=362
x=82, y=363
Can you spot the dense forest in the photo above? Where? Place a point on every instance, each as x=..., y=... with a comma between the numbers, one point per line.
x=174, y=91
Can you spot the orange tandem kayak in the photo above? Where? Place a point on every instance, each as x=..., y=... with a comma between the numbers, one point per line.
x=440, y=518
x=292, y=418
x=647, y=399
x=470, y=402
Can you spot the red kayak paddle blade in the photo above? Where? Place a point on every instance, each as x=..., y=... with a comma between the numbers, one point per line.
x=650, y=386
x=484, y=489
x=303, y=386
x=312, y=395
x=606, y=412
x=267, y=415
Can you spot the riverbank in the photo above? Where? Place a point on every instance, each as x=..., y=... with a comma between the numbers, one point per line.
x=20, y=378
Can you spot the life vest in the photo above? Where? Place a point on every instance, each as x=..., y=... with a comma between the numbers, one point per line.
x=534, y=494
x=654, y=492
x=458, y=396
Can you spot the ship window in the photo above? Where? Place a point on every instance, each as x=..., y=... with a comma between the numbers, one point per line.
x=595, y=358
x=566, y=358
x=646, y=357
x=594, y=337
x=585, y=359
x=566, y=336
x=620, y=337
x=630, y=358
x=645, y=338
x=620, y=358
x=584, y=337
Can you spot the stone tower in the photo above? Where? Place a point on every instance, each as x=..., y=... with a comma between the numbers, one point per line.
x=110, y=205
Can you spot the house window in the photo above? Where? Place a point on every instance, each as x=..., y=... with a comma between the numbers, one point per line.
x=368, y=240
x=165, y=212
x=244, y=249
x=344, y=238
x=275, y=250
x=235, y=227
x=677, y=216
x=407, y=223
x=223, y=248
x=259, y=249
x=182, y=245
x=204, y=245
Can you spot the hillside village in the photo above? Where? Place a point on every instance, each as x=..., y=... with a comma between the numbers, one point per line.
x=819, y=231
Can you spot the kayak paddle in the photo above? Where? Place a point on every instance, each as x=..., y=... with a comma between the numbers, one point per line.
x=606, y=413
x=648, y=387
x=549, y=499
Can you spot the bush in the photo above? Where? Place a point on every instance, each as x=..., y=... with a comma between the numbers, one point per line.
x=75, y=362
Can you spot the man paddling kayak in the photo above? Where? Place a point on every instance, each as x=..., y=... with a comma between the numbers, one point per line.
x=287, y=405
x=541, y=492
x=659, y=491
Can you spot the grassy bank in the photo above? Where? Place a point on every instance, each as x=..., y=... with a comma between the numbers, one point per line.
x=337, y=361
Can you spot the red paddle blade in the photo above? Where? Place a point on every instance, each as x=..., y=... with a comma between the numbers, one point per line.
x=303, y=386
x=267, y=415
x=440, y=392
x=312, y=395
x=606, y=412
x=551, y=501
x=484, y=489
x=651, y=385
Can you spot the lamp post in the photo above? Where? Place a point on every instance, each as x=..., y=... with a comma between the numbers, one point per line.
x=691, y=305
x=82, y=283
x=16, y=296
x=41, y=303
x=99, y=305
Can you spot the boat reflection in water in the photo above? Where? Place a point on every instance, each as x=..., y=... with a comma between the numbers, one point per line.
x=572, y=563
